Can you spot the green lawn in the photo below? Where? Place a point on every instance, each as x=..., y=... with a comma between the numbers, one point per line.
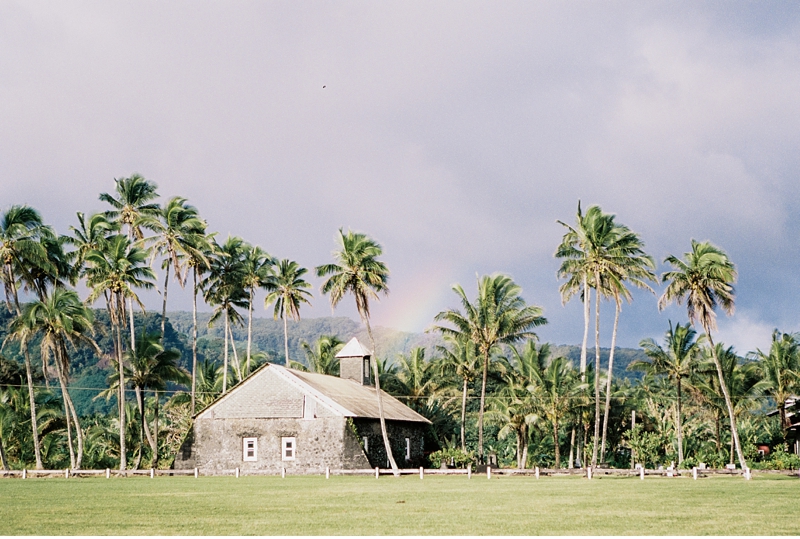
x=437, y=505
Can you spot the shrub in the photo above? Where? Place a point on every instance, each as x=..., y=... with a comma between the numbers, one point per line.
x=451, y=456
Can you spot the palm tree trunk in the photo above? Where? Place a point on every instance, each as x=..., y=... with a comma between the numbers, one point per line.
x=596, y=369
x=194, y=336
x=155, y=434
x=3, y=459
x=718, y=439
x=680, y=431
x=610, y=374
x=524, y=448
x=164, y=304
x=236, y=368
x=586, y=301
x=225, y=357
x=734, y=432
x=64, y=397
x=571, y=462
x=144, y=431
x=483, y=401
x=555, y=442
x=286, y=340
x=32, y=402
x=387, y=446
x=519, y=449
x=249, y=330
x=123, y=455
x=464, y=417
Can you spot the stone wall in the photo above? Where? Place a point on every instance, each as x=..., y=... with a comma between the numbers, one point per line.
x=216, y=445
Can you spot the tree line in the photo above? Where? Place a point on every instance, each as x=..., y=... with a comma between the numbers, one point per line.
x=491, y=388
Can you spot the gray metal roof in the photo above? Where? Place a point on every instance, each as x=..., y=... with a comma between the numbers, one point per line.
x=358, y=400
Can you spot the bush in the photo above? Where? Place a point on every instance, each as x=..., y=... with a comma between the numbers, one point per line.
x=781, y=459
x=451, y=456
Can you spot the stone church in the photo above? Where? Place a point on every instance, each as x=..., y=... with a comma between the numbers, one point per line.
x=304, y=422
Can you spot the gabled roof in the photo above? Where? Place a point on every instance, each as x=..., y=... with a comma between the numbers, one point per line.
x=343, y=397
x=354, y=349
x=357, y=400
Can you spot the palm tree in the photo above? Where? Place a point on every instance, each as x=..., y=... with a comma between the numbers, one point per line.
x=198, y=260
x=499, y=315
x=256, y=266
x=557, y=386
x=132, y=204
x=179, y=233
x=677, y=360
x=152, y=367
x=781, y=371
x=223, y=288
x=286, y=288
x=460, y=358
x=416, y=377
x=704, y=279
x=20, y=228
x=322, y=357
x=115, y=272
x=90, y=235
x=61, y=318
x=358, y=271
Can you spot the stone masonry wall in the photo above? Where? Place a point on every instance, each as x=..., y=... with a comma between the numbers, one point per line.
x=398, y=432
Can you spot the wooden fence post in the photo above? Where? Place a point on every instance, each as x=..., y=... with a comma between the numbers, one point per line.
x=327, y=472
x=641, y=473
x=195, y=473
x=237, y=473
x=66, y=473
x=152, y=473
x=421, y=473
x=747, y=474
x=537, y=472
x=589, y=472
x=283, y=472
x=469, y=471
x=108, y=473
x=24, y=473
x=488, y=471
x=376, y=472
x=694, y=473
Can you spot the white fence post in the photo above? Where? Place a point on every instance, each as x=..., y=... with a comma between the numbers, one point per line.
x=537, y=472
x=488, y=472
x=195, y=473
x=108, y=473
x=237, y=472
x=66, y=473
x=327, y=472
x=24, y=473
x=747, y=474
x=283, y=472
x=376, y=472
x=589, y=472
x=469, y=471
x=694, y=473
x=641, y=473
x=152, y=473
x=421, y=473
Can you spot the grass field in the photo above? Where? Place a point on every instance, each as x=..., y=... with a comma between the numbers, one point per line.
x=437, y=505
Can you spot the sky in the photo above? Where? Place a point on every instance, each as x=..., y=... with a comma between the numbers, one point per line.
x=455, y=134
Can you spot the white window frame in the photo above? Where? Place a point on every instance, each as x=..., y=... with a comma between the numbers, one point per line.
x=408, y=448
x=285, y=447
x=245, y=456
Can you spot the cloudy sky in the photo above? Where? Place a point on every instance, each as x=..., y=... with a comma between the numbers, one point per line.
x=454, y=133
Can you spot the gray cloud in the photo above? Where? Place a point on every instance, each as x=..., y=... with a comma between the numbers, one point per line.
x=454, y=133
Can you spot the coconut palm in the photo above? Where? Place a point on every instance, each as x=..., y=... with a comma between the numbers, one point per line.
x=287, y=289
x=61, y=319
x=256, y=267
x=322, y=357
x=134, y=201
x=179, y=232
x=460, y=359
x=198, y=260
x=498, y=316
x=115, y=272
x=416, y=377
x=358, y=271
x=222, y=287
x=557, y=388
x=20, y=228
x=90, y=235
x=781, y=371
x=152, y=367
x=704, y=279
x=676, y=360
